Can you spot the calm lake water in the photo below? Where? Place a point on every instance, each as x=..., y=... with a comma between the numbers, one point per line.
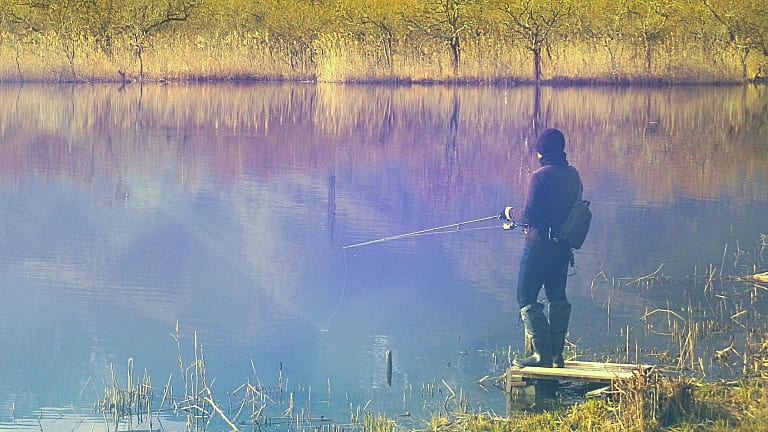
x=224, y=210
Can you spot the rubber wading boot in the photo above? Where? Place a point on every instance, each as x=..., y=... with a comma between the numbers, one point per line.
x=537, y=326
x=559, y=314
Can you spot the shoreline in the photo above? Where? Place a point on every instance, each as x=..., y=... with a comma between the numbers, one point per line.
x=560, y=82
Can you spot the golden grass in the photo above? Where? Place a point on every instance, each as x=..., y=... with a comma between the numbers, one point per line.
x=335, y=57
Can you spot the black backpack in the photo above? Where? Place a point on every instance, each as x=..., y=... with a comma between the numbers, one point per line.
x=576, y=225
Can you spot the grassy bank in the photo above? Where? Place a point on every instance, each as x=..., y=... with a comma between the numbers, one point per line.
x=672, y=404
x=384, y=41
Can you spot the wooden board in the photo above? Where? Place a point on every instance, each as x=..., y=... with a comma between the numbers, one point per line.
x=759, y=277
x=578, y=371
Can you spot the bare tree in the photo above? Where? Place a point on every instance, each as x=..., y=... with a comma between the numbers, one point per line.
x=606, y=23
x=652, y=19
x=148, y=17
x=442, y=20
x=17, y=26
x=535, y=22
x=293, y=27
x=64, y=18
x=746, y=23
x=369, y=17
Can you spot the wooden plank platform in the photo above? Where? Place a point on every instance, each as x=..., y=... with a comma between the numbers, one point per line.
x=575, y=371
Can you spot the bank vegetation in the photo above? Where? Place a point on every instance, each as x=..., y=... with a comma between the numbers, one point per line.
x=384, y=40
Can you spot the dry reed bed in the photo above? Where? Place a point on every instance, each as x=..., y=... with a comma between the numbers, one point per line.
x=335, y=58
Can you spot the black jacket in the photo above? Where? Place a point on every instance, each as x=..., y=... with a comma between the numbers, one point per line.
x=552, y=191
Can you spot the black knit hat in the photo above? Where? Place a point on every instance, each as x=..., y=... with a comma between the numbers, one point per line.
x=550, y=141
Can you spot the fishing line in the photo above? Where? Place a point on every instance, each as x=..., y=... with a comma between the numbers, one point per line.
x=429, y=231
x=341, y=296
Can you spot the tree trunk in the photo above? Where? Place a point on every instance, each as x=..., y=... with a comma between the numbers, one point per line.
x=648, y=54
x=139, y=50
x=537, y=63
x=744, y=56
x=456, y=53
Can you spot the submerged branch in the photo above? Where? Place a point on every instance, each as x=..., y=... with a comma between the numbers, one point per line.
x=667, y=311
x=648, y=276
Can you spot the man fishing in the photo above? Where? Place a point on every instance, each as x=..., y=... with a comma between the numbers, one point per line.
x=552, y=191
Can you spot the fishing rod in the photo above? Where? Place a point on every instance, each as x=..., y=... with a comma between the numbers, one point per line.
x=437, y=230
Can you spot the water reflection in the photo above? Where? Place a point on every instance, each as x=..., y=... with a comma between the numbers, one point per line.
x=231, y=132
x=224, y=207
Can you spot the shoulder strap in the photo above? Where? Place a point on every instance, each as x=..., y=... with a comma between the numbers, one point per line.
x=578, y=176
